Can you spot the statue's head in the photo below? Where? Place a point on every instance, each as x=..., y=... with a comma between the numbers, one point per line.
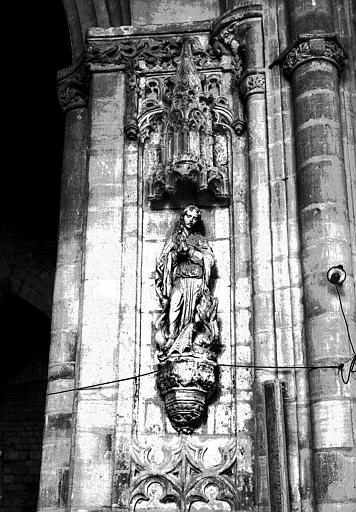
x=190, y=217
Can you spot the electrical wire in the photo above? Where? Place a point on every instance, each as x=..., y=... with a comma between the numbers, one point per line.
x=99, y=384
x=135, y=377
x=351, y=369
x=340, y=367
x=291, y=367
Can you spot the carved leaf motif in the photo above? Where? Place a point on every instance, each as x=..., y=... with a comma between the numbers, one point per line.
x=333, y=51
x=317, y=48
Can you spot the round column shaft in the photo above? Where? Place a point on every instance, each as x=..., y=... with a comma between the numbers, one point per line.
x=313, y=64
x=62, y=359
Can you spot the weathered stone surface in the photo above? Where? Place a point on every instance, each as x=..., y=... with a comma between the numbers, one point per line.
x=287, y=221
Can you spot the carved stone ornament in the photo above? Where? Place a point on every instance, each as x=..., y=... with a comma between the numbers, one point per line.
x=227, y=42
x=188, y=125
x=187, y=332
x=309, y=47
x=180, y=474
x=150, y=54
x=73, y=86
x=252, y=82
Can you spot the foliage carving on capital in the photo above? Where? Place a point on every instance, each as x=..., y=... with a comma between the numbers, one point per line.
x=187, y=332
x=150, y=54
x=313, y=47
x=73, y=87
x=252, y=83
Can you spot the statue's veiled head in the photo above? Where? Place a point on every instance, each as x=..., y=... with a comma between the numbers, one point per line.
x=190, y=217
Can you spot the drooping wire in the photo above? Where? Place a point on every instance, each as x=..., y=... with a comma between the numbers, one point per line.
x=80, y=388
x=99, y=384
x=290, y=367
x=351, y=369
x=136, y=377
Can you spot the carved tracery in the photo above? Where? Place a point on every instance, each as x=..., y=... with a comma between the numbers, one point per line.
x=187, y=121
x=181, y=474
x=178, y=97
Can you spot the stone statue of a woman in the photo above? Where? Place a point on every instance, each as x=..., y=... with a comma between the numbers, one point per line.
x=188, y=320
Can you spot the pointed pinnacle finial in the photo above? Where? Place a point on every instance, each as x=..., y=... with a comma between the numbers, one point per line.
x=187, y=77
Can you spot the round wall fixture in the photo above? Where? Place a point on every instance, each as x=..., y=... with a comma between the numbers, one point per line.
x=336, y=275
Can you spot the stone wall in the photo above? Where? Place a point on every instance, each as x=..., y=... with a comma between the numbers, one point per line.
x=21, y=427
x=268, y=433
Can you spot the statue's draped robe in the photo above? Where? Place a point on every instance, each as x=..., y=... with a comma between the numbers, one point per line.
x=181, y=278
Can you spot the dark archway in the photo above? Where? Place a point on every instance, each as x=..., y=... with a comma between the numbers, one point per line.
x=39, y=43
x=33, y=121
x=23, y=381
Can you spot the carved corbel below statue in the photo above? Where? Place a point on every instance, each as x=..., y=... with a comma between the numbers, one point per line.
x=187, y=332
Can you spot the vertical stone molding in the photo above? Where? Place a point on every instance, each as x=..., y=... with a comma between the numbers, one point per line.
x=241, y=28
x=60, y=415
x=276, y=442
x=92, y=461
x=313, y=63
x=252, y=89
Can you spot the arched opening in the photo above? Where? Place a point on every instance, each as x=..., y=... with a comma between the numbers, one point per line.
x=23, y=381
x=29, y=213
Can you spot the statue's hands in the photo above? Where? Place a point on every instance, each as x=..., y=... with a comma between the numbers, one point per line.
x=183, y=247
x=164, y=303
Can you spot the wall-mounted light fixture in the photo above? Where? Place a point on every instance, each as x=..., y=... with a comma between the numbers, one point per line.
x=336, y=275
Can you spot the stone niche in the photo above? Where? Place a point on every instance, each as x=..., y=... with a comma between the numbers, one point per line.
x=183, y=138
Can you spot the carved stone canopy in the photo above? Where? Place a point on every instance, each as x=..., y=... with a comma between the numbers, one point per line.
x=187, y=136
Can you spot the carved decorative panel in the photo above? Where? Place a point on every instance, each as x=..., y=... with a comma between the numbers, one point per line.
x=193, y=414
x=183, y=114
x=184, y=474
x=179, y=106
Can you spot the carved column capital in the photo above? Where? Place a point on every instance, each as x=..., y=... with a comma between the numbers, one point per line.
x=252, y=82
x=73, y=86
x=311, y=47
